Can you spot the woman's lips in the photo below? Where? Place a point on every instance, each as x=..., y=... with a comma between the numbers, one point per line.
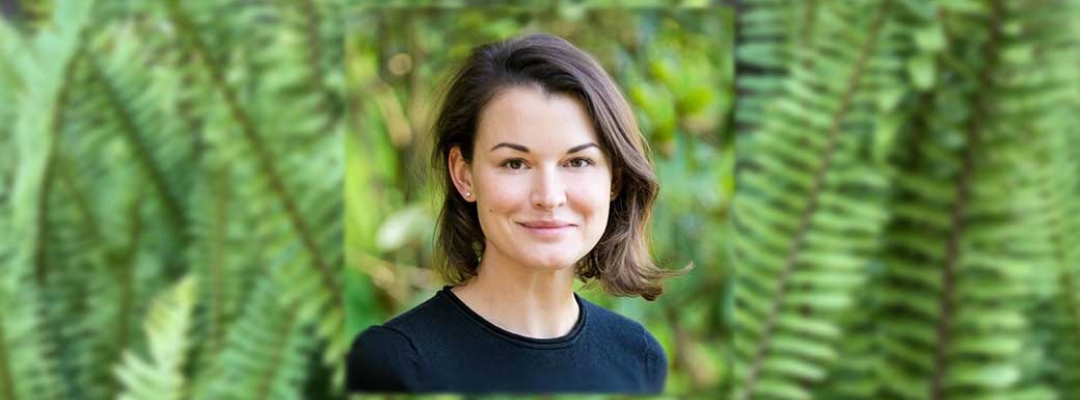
x=546, y=228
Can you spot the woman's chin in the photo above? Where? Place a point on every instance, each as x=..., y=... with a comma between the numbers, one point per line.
x=552, y=264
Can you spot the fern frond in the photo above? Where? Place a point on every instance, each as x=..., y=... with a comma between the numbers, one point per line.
x=47, y=79
x=1054, y=135
x=806, y=225
x=267, y=166
x=266, y=354
x=227, y=260
x=27, y=369
x=160, y=375
x=44, y=77
x=99, y=281
x=75, y=253
x=118, y=289
x=322, y=54
x=305, y=205
x=132, y=119
x=769, y=38
x=109, y=102
x=960, y=252
x=855, y=376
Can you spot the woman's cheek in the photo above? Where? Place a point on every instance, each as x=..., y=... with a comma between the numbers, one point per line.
x=504, y=193
x=595, y=188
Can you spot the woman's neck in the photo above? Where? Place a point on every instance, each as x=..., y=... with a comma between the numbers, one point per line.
x=529, y=302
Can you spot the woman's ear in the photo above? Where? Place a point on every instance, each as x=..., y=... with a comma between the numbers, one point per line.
x=461, y=174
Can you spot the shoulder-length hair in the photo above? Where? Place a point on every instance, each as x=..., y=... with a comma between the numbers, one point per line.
x=620, y=260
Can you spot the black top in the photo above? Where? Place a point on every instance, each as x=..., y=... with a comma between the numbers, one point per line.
x=443, y=346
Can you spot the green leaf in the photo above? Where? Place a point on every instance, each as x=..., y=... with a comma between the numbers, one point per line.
x=159, y=375
x=922, y=71
x=930, y=39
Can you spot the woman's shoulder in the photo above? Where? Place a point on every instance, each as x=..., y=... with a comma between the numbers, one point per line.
x=382, y=359
x=603, y=317
x=387, y=357
x=616, y=326
x=419, y=316
x=411, y=323
x=633, y=338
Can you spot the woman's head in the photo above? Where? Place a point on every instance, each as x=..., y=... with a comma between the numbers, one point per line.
x=544, y=166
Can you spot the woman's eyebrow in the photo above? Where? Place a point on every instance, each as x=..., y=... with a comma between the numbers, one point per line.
x=576, y=149
x=514, y=146
x=524, y=149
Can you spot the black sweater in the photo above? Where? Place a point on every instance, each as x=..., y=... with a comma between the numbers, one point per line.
x=443, y=346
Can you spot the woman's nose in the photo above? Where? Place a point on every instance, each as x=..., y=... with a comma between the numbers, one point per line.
x=548, y=190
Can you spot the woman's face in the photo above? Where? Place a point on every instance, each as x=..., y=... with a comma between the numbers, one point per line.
x=541, y=182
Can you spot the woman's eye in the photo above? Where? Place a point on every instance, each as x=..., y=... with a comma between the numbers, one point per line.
x=580, y=162
x=514, y=164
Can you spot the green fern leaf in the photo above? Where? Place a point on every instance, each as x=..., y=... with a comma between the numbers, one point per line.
x=268, y=168
x=27, y=370
x=160, y=375
x=266, y=354
x=796, y=209
x=961, y=252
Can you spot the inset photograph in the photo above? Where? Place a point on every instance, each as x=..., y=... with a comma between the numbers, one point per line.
x=536, y=200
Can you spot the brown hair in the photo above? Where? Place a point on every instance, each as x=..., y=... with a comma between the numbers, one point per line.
x=620, y=260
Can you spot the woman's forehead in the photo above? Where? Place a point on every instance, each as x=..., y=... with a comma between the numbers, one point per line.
x=536, y=119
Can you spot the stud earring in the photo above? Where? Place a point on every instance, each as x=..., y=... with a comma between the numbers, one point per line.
x=468, y=194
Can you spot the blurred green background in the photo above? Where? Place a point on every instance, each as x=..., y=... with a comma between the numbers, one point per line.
x=908, y=204
x=171, y=199
x=676, y=69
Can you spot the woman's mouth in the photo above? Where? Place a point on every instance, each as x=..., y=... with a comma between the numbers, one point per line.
x=546, y=228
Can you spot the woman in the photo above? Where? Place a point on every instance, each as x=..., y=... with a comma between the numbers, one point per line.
x=547, y=178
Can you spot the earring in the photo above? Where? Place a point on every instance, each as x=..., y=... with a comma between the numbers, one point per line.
x=468, y=194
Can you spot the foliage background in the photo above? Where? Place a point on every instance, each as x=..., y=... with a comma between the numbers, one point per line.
x=676, y=68
x=171, y=199
x=906, y=214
